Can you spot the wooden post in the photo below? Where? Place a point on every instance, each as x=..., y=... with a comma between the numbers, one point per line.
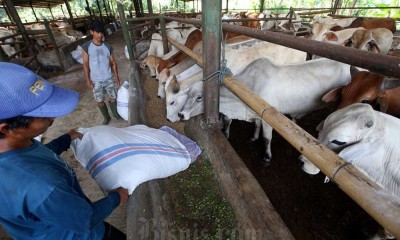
x=105, y=8
x=71, y=17
x=51, y=12
x=262, y=5
x=53, y=41
x=70, y=14
x=33, y=11
x=211, y=57
x=125, y=30
x=62, y=10
x=149, y=6
x=15, y=18
x=98, y=6
x=164, y=34
x=88, y=9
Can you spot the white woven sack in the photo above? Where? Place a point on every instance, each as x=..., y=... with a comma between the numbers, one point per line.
x=123, y=100
x=77, y=54
x=127, y=157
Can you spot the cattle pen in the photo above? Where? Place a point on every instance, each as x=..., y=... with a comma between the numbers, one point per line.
x=256, y=216
x=252, y=208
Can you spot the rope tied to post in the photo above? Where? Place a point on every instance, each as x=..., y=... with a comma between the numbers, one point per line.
x=224, y=70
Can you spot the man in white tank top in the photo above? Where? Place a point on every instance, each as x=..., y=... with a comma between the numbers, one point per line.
x=99, y=66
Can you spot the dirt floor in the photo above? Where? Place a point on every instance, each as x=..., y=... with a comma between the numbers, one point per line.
x=312, y=210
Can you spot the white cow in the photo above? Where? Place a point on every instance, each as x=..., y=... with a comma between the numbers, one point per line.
x=270, y=24
x=180, y=35
x=182, y=70
x=368, y=139
x=378, y=40
x=8, y=49
x=332, y=37
x=151, y=61
x=343, y=22
x=237, y=60
x=293, y=89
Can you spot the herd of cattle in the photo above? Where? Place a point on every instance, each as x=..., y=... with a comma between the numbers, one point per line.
x=294, y=86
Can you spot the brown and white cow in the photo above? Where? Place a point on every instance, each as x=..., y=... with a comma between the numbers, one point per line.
x=191, y=41
x=371, y=88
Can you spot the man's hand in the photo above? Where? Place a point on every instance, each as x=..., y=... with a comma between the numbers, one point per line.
x=123, y=195
x=75, y=134
x=89, y=84
x=117, y=81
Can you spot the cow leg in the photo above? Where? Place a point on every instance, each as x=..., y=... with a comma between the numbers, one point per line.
x=257, y=130
x=227, y=126
x=267, y=132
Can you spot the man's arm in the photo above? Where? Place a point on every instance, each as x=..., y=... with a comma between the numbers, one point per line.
x=114, y=68
x=63, y=142
x=86, y=69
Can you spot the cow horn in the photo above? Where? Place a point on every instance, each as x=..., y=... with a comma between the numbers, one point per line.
x=389, y=83
x=175, y=85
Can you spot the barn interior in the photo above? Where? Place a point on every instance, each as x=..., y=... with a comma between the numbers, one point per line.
x=199, y=201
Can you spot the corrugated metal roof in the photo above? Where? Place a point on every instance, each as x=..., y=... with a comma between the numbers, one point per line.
x=36, y=4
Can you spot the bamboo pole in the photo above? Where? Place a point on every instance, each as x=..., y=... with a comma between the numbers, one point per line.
x=187, y=51
x=377, y=202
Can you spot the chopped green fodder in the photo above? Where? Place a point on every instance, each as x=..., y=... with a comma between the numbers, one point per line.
x=201, y=211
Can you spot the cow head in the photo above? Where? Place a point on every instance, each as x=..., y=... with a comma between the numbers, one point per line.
x=347, y=126
x=194, y=104
x=344, y=128
x=365, y=87
x=177, y=94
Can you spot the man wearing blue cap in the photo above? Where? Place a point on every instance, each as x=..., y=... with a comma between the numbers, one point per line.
x=99, y=65
x=40, y=196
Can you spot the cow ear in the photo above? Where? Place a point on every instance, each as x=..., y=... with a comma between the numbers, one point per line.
x=347, y=43
x=389, y=83
x=333, y=95
x=373, y=47
x=320, y=126
x=175, y=85
x=353, y=70
x=383, y=103
x=331, y=36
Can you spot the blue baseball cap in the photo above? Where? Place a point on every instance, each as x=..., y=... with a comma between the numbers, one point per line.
x=23, y=93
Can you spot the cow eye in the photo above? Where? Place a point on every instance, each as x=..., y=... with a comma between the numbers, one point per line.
x=366, y=101
x=338, y=142
x=164, y=83
x=172, y=103
x=199, y=98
